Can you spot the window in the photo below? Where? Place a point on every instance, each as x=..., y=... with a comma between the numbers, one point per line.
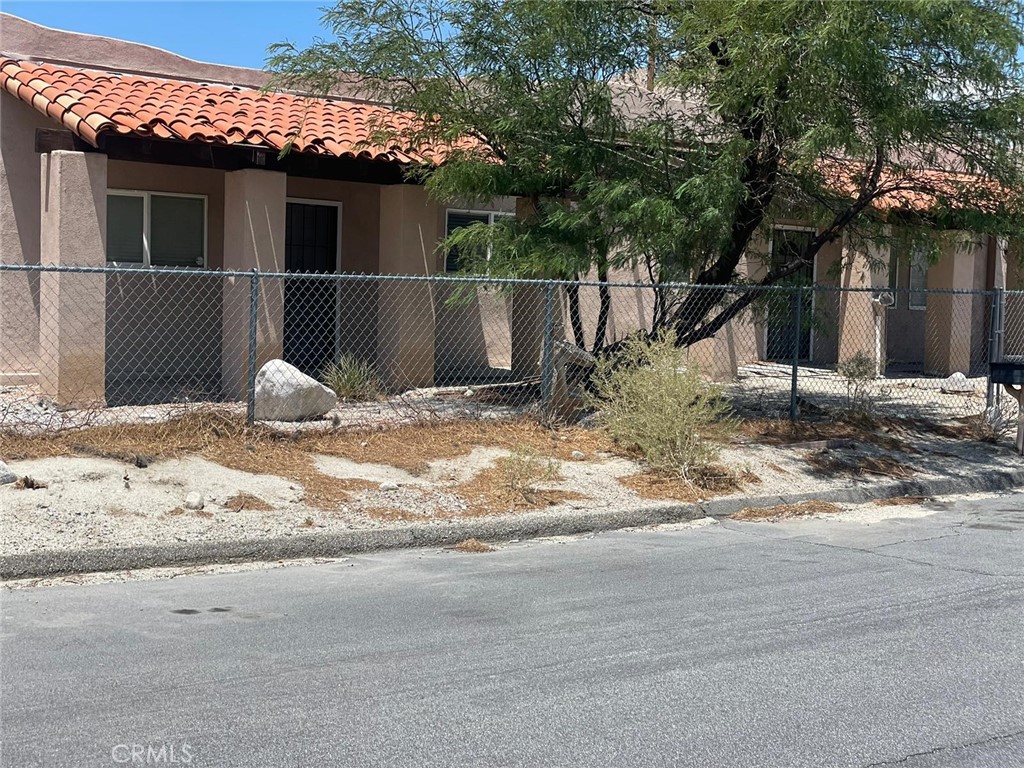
x=458, y=220
x=156, y=230
x=917, y=298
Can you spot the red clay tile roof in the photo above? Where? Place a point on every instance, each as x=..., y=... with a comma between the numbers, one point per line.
x=91, y=103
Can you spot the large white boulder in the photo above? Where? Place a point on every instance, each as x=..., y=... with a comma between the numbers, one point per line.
x=284, y=393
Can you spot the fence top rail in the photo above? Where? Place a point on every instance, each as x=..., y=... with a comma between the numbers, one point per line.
x=480, y=280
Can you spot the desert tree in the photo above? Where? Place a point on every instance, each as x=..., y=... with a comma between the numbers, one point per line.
x=666, y=135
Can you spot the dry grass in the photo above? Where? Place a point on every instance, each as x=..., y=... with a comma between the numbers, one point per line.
x=657, y=487
x=28, y=483
x=393, y=515
x=489, y=492
x=882, y=433
x=900, y=501
x=784, y=511
x=712, y=480
x=831, y=463
x=224, y=439
x=247, y=501
x=473, y=545
x=181, y=512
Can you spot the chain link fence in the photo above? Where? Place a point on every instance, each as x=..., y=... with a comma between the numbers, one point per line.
x=113, y=345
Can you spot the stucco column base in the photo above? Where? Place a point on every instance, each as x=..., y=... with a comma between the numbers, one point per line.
x=254, y=228
x=948, y=316
x=861, y=321
x=526, y=326
x=72, y=306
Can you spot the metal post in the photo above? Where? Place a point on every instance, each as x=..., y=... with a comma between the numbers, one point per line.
x=797, y=303
x=547, y=355
x=254, y=311
x=995, y=331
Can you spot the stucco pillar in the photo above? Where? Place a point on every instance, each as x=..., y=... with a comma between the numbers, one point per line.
x=406, y=324
x=526, y=316
x=948, y=317
x=72, y=306
x=254, y=228
x=861, y=320
x=19, y=235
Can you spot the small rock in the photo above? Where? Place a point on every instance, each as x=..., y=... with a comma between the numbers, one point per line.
x=388, y=485
x=578, y=455
x=6, y=476
x=468, y=393
x=194, y=501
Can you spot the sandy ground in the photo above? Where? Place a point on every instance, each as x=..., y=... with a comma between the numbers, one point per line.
x=857, y=514
x=85, y=502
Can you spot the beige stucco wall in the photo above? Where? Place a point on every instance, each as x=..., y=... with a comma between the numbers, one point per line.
x=73, y=224
x=19, y=239
x=406, y=310
x=951, y=332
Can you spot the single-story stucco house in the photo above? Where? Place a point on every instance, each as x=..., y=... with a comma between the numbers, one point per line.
x=115, y=152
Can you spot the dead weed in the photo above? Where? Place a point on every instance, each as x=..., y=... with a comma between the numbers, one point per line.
x=712, y=480
x=827, y=462
x=879, y=432
x=473, y=545
x=784, y=511
x=899, y=501
x=246, y=501
x=393, y=515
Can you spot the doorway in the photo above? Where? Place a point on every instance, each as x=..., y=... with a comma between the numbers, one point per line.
x=311, y=245
x=782, y=335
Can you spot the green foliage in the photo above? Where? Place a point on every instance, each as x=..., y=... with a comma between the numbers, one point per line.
x=651, y=399
x=859, y=371
x=352, y=379
x=523, y=469
x=763, y=109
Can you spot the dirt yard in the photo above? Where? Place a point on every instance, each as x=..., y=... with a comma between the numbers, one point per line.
x=206, y=476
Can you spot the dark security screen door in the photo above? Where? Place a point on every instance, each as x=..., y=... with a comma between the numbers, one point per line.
x=310, y=305
x=782, y=333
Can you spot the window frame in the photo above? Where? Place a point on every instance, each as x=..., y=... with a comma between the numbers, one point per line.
x=147, y=196
x=918, y=255
x=491, y=215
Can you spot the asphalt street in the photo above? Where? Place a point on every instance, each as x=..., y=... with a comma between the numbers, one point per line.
x=806, y=643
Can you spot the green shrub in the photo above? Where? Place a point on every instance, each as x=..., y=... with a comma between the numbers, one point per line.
x=523, y=469
x=652, y=400
x=352, y=379
x=859, y=371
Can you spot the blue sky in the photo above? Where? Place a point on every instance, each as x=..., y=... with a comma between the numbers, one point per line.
x=234, y=32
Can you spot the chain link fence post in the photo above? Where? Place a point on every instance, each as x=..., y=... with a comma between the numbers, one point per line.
x=797, y=300
x=995, y=342
x=250, y=389
x=547, y=354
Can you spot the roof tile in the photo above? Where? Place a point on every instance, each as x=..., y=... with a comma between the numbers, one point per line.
x=92, y=103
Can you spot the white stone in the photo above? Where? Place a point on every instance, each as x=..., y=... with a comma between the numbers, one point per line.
x=578, y=455
x=957, y=384
x=6, y=476
x=284, y=393
x=194, y=501
x=388, y=485
x=468, y=393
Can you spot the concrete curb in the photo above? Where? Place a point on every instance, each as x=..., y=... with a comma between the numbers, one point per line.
x=504, y=528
